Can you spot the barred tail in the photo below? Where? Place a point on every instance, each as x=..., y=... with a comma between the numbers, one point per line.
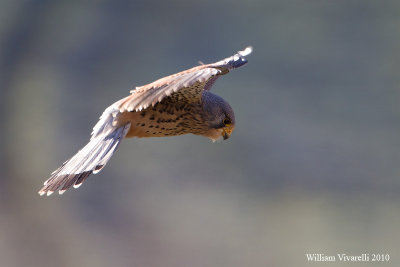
x=90, y=159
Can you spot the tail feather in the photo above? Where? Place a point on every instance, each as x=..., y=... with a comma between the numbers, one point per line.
x=90, y=159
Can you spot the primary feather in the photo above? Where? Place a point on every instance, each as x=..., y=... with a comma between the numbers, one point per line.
x=90, y=159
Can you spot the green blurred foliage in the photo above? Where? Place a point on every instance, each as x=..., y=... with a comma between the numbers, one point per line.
x=312, y=167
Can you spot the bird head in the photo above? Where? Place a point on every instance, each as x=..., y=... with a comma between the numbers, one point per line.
x=219, y=116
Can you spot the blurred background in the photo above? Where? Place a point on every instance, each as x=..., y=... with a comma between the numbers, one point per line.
x=312, y=167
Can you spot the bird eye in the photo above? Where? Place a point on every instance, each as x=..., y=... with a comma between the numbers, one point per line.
x=227, y=122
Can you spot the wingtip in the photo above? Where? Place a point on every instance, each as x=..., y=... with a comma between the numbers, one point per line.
x=236, y=60
x=60, y=192
x=247, y=51
x=77, y=185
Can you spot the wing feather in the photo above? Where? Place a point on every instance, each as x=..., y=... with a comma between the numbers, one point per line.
x=144, y=96
x=186, y=85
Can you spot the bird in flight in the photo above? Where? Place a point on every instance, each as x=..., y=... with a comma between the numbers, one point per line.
x=174, y=105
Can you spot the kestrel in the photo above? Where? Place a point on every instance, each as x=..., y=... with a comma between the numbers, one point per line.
x=174, y=105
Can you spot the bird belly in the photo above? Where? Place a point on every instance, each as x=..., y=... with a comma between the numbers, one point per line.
x=152, y=123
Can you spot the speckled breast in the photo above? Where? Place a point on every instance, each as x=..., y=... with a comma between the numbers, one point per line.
x=166, y=119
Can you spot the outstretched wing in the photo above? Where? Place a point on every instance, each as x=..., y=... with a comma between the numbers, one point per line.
x=90, y=159
x=186, y=85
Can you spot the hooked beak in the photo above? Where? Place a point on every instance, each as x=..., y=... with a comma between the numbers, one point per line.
x=226, y=132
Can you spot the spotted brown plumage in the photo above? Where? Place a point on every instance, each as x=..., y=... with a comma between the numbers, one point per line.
x=174, y=105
